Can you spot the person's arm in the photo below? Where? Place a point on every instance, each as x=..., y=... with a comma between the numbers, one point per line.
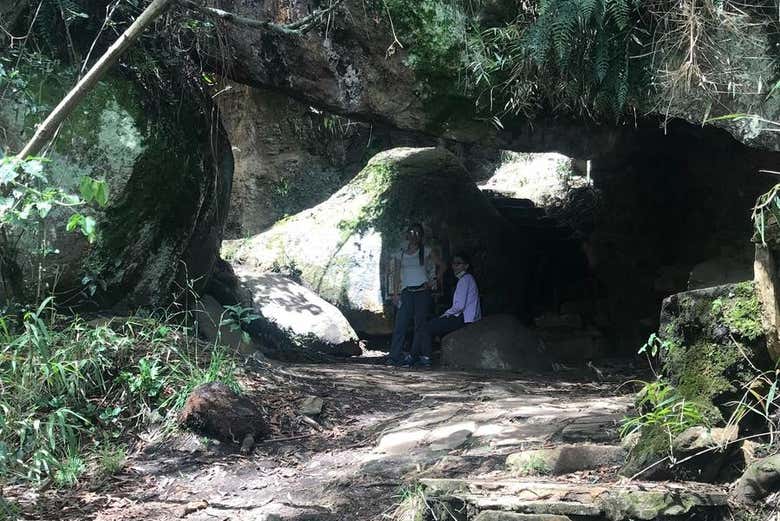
x=395, y=279
x=459, y=298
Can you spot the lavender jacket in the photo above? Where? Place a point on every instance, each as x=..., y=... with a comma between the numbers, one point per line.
x=466, y=300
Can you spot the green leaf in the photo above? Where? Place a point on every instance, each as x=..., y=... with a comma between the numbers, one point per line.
x=44, y=208
x=87, y=189
x=101, y=193
x=74, y=222
x=34, y=168
x=88, y=228
x=8, y=172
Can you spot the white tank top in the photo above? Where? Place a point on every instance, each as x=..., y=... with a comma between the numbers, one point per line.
x=412, y=272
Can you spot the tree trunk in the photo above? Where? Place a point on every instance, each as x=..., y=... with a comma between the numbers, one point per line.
x=46, y=129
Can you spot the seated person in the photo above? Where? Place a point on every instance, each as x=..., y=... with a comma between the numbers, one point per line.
x=465, y=310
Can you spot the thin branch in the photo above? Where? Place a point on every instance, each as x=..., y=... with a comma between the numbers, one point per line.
x=46, y=129
x=296, y=28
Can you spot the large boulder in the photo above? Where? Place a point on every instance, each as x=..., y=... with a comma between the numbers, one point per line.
x=340, y=248
x=294, y=318
x=497, y=342
x=168, y=167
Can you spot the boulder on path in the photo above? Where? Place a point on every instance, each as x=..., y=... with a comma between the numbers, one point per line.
x=497, y=342
x=215, y=410
x=294, y=318
x=341, y=247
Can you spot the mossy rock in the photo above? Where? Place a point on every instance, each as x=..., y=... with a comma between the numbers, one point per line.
x=168, y=171
x=341, y=247
x=716, y=338
x=714, y=346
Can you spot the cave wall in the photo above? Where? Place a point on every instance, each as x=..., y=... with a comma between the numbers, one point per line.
x=668, y=212
x=290, y=156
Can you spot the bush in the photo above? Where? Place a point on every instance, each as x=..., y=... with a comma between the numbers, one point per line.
x=65, y=384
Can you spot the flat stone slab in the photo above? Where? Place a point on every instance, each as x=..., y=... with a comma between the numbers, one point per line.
x=614, y=501
x=498, y=515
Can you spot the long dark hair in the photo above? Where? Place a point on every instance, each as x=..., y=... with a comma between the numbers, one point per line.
x=421, y=233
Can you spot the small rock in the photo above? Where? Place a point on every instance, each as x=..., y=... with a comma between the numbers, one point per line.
x=760, y=479
x=214, y=410
x=311, y=406
x=194, y=506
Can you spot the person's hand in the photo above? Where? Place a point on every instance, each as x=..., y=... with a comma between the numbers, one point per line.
x=396, y=300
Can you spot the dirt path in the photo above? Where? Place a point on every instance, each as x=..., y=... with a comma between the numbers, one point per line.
x=380, y=428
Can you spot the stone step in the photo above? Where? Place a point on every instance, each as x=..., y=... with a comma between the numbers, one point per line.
x=492, y=500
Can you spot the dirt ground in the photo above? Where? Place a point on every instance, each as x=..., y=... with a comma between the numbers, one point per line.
x=380, y=429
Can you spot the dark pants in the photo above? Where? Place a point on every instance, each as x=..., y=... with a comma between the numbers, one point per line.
x=415, y=305
x=439, y=326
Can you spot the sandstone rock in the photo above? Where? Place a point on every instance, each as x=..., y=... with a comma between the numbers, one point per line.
x=719, y=271
x=760, y=479
x=565, y=459
x=311, y=406
x=715, y=444
x=341, y=246
x=765, y=270
x=497, y=515
x=215, y=410
x=168, y=172
x=497, y=342
x=293, y=317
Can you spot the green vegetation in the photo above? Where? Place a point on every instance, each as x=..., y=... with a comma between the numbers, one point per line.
x=662, y=409
x=534, y=465
x=69, y=385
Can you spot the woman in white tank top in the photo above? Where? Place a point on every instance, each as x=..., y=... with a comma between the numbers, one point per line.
x=415, y=274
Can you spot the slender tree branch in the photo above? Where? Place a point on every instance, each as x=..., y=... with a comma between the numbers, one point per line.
x=73, y=98
x=295, y=28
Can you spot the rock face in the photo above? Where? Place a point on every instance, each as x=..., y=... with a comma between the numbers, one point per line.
x=348, y=73
x=497, y=342
x=759, y=480
x=295, y=318
x=767, y=279
x=215, y=410
x=288, y=157
x=341, y=247
x=168, y=170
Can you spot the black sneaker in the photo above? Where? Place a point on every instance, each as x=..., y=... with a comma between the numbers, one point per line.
x=424, y=362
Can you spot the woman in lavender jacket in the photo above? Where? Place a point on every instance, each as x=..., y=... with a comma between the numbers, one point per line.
x=465, y=309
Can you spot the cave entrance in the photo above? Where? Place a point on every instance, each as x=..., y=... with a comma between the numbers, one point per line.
x=599, y=242
x=592, y=243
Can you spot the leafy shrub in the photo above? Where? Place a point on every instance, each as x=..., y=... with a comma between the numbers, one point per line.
x=66, y=383
x=661, y=407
